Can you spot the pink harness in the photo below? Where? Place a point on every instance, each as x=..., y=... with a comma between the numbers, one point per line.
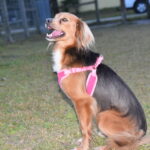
x=92, y=77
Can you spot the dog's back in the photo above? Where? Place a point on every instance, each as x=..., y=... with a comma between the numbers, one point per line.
x=120, y=117
x=112, y=93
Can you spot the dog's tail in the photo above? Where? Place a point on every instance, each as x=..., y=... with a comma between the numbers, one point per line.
x=127, y=141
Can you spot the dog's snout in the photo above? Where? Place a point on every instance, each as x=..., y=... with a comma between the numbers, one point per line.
x=48, y=20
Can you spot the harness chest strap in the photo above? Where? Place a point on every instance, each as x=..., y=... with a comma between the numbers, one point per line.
x=92, y=77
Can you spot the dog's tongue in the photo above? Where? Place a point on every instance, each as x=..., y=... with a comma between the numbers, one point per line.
x=55, y=34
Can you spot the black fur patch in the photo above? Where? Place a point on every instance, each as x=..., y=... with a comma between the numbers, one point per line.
x=85, y=57
x=111, y=92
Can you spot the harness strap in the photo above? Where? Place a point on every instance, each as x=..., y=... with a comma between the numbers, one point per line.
x=92, y=77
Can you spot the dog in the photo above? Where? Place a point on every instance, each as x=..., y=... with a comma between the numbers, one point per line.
x=119, y=115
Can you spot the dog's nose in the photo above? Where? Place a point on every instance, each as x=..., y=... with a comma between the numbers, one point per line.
x=48, y=20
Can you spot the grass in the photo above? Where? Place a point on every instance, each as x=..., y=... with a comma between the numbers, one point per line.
x=35, y=115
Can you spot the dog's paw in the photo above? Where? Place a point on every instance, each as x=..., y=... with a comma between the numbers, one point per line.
x=100, y=148
x=76, y=149
x=79, y=141
x=101, y=134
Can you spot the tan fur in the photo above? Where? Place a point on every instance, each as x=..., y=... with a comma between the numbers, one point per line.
x=84, y=35
x=77, y=31
x=120, y=130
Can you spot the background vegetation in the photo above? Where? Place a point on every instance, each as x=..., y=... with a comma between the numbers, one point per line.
x=35, y=115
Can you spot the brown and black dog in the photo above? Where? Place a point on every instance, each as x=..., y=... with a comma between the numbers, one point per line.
x=118, y=113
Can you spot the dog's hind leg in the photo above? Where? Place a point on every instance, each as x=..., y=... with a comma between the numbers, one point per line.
x=121, y=131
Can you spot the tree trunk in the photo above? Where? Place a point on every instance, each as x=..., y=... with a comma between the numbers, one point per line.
x=24, y=17
x=123, y=11
x=97, y=11
x=36, y=17
x=148, y=8
x=6, y=21
x=54, y=7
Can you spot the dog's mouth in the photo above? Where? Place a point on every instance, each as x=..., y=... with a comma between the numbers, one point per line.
x=53, y=33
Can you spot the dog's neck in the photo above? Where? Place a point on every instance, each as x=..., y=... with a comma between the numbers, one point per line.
x=57, y=55
x=65, y=58
x=57, y=58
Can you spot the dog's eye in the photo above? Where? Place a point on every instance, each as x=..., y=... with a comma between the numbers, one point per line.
x=64, y=19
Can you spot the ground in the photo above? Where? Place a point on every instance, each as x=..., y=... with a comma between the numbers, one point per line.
x=35, y=115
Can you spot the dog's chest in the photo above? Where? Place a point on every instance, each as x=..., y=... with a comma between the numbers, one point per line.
x=57, y=57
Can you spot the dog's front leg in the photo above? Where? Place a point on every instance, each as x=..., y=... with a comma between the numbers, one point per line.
x=84, y=112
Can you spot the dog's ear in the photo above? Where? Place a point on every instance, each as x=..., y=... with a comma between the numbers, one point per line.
x=84, y=36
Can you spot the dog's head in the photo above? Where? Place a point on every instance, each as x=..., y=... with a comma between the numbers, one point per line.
x=70, y=30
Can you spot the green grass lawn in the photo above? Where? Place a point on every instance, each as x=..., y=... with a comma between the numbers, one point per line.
x=35, y=115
